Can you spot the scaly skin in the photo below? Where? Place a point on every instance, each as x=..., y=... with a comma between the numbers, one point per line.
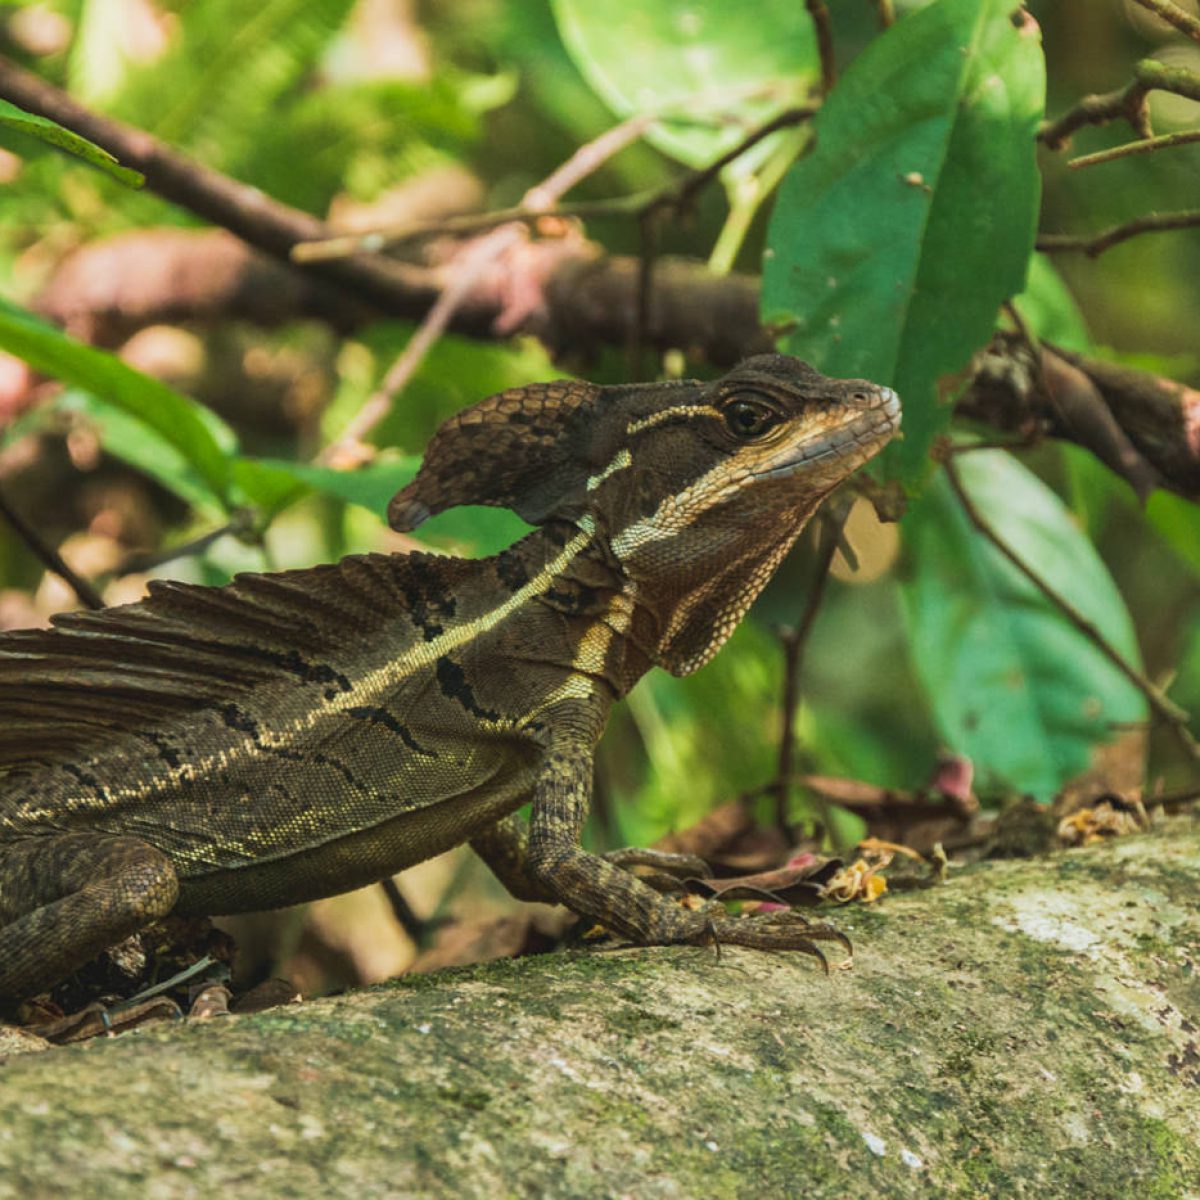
x=291, y=736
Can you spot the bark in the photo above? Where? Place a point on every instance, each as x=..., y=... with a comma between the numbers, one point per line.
x=1030, y=1028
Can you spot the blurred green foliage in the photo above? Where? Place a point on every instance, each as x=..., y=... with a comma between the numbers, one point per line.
x=888, y=252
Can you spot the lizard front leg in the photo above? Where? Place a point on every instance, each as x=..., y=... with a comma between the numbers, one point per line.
x=66, y=897
x=611, y=896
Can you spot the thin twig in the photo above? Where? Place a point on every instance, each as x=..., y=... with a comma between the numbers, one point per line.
x=1030, y=340
x=416, y=929
x=539, y=203
x=1128, y=102
x=239, y=526
x=1167, y=711
x=253, y=216
x=469, y=267
x=1129, y=149
x=49, y=556
x=375, y=240
x=536, y=207
x=1055, y=243
x=543, y=201
x=675, y=198
x=820, y=18
x=587, y=160
x=794, y=644
x=887, y=13
x=1174, y=15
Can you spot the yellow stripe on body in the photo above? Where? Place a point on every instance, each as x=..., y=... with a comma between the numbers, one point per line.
x=621, y=460
x=587, y=667
x=371, y=687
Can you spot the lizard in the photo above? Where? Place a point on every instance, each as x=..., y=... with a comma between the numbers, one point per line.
x=297, y=734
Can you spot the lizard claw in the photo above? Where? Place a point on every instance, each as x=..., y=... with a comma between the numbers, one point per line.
x=786, y=930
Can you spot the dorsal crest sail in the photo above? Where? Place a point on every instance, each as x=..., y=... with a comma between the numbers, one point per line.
x=71, y=688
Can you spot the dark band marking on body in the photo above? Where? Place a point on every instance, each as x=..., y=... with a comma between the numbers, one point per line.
x=380, y=716
x=452, y=679
x=429, y=605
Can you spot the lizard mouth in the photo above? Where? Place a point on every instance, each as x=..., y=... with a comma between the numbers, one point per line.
x=854, y=442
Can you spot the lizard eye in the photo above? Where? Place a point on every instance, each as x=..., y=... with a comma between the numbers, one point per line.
x=749, y=419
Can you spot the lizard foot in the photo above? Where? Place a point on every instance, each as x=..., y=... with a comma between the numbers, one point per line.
x=784, y=930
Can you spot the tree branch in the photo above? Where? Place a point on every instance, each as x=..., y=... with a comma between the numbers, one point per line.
x=820, y=18
x=1174, y=15
x=1131, y=149
x=1128, y=102
x=257, y=219
x=1095, y=245
x=50, y=557
x=1026, y=1028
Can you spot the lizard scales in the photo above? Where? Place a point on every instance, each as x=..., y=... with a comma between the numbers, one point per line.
x=295, y=735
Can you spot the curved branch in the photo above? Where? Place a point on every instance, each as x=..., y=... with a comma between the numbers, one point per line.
x=1050, y=243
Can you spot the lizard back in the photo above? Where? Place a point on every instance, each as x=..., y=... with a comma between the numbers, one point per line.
x=237, y=726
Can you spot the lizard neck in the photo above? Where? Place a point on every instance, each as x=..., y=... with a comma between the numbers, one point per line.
x=689, y=607
x=585, y=620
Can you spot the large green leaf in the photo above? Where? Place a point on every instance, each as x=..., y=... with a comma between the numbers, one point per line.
x=1178, y=520
x=187, y=426
x=707, y=57
x=142, y=447
x=12, y=117
x=893, y=244
x=1012, y=683
x=371, y=486
x=1050, y=309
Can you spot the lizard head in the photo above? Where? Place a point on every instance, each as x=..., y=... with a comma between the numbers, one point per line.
x=698, y=489
x=727, y=478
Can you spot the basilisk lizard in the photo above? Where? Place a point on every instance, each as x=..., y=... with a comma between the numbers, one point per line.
x=298, y=734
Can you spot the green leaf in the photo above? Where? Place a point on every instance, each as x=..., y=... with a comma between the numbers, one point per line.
x=1012, y=683
x=893, y=244
x=136, y=443
x=370, y=487
x=267, y=484
x=182, y=423
x=704, y=57
x=1178, y=520
x=12, y=117
x=1050, y=309
x=680, y=721
x=273, y=484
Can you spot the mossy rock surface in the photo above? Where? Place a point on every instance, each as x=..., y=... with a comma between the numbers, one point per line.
x=1030, y=1029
